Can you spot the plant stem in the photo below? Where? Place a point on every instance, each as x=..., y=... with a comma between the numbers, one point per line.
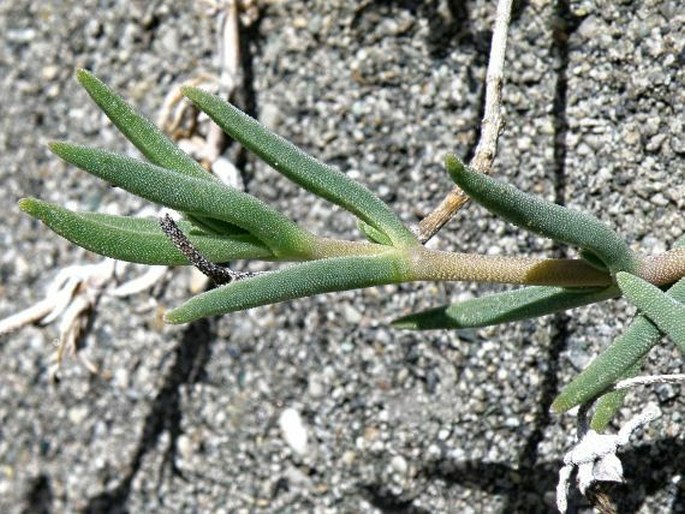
x=490, y=126
x=664, y=268
x=326, y=247
x=433, y=265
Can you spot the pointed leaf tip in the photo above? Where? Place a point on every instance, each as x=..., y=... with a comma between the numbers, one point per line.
x=210, y=199
x=544, y=218
x=83, y=75
x=519, y=304
x=455, y=167
x=608, y=405
x=139, y=239
x=55, y=146
x=303, y=169
x=665, y=311
x=297, y=281
x=24, y=204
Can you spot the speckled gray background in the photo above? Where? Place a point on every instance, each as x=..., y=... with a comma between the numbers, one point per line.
x=397, y=422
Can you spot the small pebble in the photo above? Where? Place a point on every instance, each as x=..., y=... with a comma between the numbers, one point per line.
x=293, y=430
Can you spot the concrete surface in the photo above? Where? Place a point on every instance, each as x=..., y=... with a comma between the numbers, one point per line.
x=396, y=422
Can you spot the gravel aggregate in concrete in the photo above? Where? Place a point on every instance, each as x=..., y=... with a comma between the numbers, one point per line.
x=441, y=422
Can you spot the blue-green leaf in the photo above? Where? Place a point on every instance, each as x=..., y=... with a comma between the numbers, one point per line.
x=139, y=239
x=665, y=311
x=297, y=281
x=545, y=218
x=303, y=169
x=524, y=303
x=193, y=195
x=145, y=135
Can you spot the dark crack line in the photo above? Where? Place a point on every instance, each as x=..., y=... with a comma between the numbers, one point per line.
x=245, y=96
x=565, y=24
x=39, y=498
x=190, y=359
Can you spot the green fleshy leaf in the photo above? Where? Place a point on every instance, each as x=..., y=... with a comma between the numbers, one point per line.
x=139, y=240
x=608, y=405
x=372, y=234
x=306, y=171
x=528, y=302
x=153, y=143
x=544, y=218
x=298, y=281
x=665, y=311
x=615, y=362
x=214, y=226
x=196, y=196
x=593, y=260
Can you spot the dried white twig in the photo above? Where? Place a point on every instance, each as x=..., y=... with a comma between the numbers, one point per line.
x=71, y=296
x=490, y=126
x=230, y=73
x=595, y=455
x=675, y=378
x=146, y=281
x=68, y=283
x=28, y=316
x=71, y=327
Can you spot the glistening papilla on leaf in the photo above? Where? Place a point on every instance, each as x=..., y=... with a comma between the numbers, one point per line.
x=223, y=224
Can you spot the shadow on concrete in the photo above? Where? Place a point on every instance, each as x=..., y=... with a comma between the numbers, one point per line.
x=190, y=359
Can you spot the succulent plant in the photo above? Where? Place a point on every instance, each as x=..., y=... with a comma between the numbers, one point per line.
x=221, y=224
